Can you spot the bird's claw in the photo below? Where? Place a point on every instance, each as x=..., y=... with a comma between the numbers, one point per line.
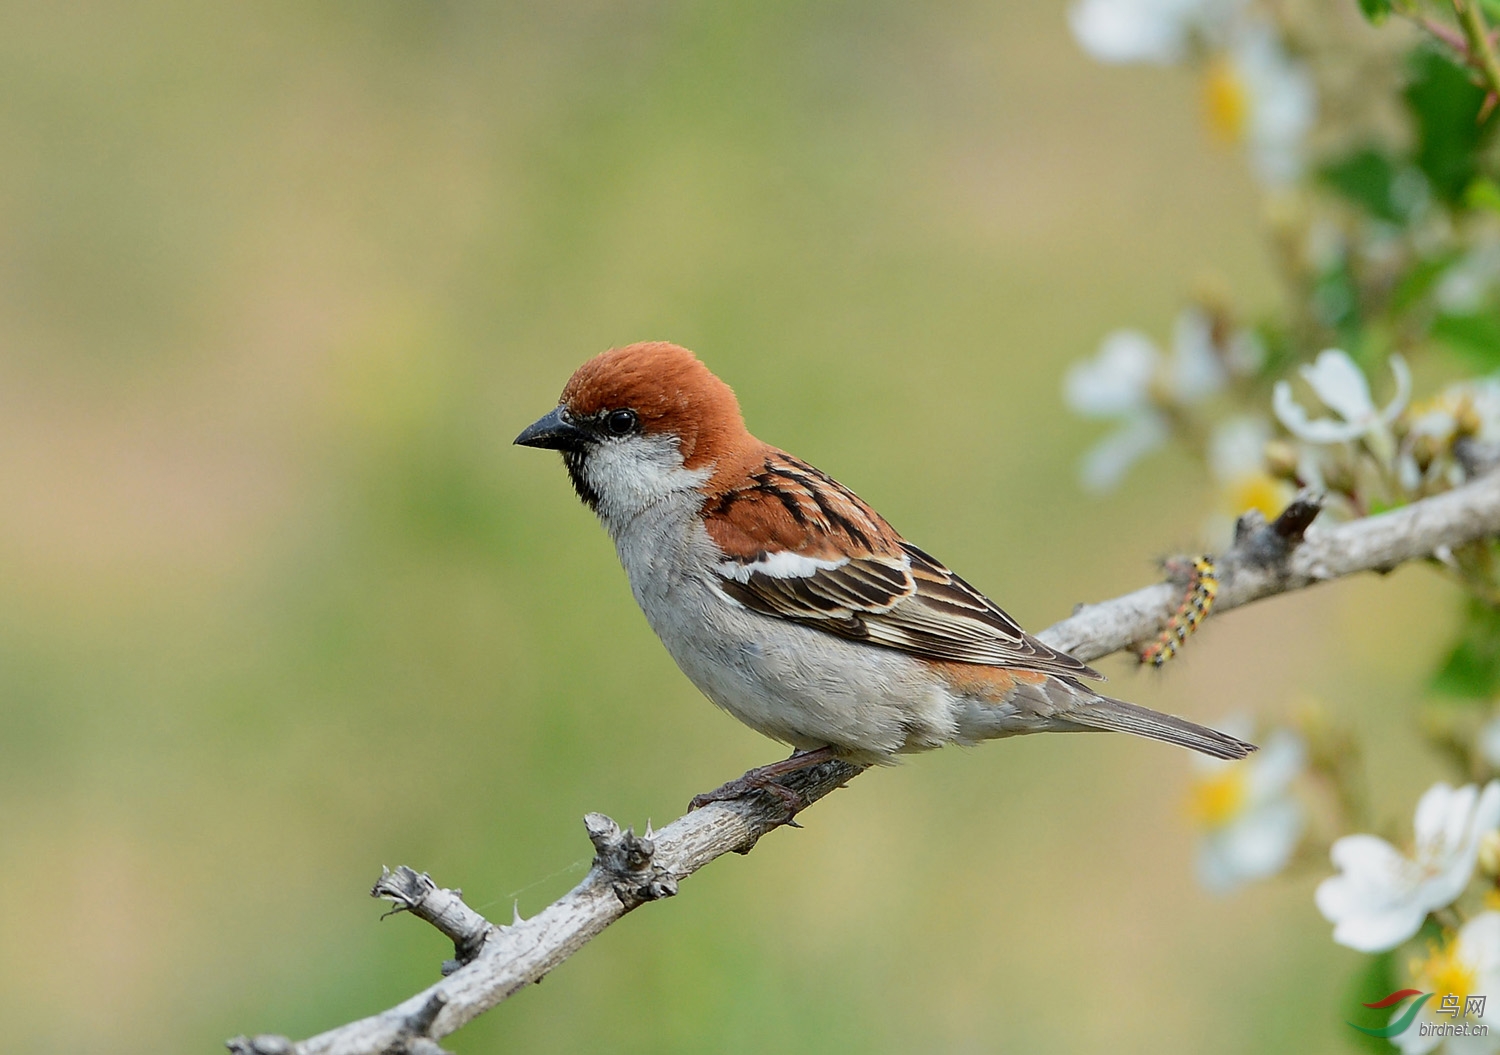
x=747, y=785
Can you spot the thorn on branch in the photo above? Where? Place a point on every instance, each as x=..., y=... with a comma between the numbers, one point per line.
x=627, y=859
x=1297, y=517
x=415, y=892
x=1261, y=544
x=419, y=1023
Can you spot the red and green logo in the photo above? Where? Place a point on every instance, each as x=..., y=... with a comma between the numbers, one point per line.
x=1402, y=1023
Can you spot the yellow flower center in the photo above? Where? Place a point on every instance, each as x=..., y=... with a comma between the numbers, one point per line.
x=1216, y=800
x=1444, y=972
x=1257, y=490
x=1226, y=102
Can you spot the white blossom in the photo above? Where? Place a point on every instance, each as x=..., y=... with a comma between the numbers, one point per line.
x=1237, y=459
x=1258, y=94
x=1117, y=381
x=1468, y=964
x=1251, y=823
x=1472, y=404
x=1466, y=409
x=1106, y=463
x=1157, y=31
x=1197, y=368
x=1280, y=104
x=1237, y=447
x=1129, y=379
x=1380, y=896
x=1466, y=285
x=1343, y=389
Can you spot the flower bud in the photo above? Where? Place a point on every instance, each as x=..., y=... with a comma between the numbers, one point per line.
x=1489, y=853
x=1281, y=459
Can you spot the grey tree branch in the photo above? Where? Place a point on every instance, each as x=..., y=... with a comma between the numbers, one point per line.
x=493, y=962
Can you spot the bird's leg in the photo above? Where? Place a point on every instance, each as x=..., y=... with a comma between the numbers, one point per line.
x=763, y=778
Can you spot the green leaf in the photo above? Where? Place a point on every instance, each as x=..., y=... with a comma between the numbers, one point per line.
x=1375, y=10
x=1476, y=337
x=1418, y=282
x=1335, y=301
x=1483, y=193
x=1375, y=982
x=1367, y=178
x=1445, y=104
x=1281, y=351
x=1472, y=669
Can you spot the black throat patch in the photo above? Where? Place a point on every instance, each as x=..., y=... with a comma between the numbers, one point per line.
x=574, y=459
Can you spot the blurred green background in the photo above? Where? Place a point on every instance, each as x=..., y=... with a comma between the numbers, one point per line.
x=279, y=282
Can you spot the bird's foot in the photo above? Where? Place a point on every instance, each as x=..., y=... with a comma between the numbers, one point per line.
x=749, y=784
x=763, y=779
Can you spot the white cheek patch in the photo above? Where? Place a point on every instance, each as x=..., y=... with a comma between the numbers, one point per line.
x=781, y=565
x=629, y=475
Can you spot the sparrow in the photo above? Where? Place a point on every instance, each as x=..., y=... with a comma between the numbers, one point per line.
x=792, y=604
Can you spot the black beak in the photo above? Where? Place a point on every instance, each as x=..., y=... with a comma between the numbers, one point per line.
x=552, y=432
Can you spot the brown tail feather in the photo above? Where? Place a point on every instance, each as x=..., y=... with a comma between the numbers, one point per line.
x=1102, y=712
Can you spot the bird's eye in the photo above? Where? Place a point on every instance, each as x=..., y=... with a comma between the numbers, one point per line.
x=621, y=422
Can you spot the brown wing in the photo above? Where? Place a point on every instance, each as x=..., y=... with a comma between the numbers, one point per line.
x=892, y=595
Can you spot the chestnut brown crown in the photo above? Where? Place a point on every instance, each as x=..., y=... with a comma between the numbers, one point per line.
x=668, y=389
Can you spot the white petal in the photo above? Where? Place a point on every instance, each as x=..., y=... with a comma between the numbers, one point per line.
x=1443, y=889
x=1283, y=104
x=1130, y=30
x=1484, y=397
x=1489, y=742
x=1246, y=352
x=1367, y=855
x=1215, y=867
x=1237, y=447
x=1325, y=430
x=1487, y=813
x=1461, y=291
x=1448, y=845
x=1397, y=404
x=1256, y=846
x=1464, y=286
x=1106, y=463
x=1408, y=472
x=1197, y=369
x=1480, y=941
x=1340, y=385
x=1380, y=931
x=1410, y=1041
x=1310, y=469
x=1117, y=380
x=1279, y=761
x=1472, y=1045
x=1443, y=812
x=1373, y=902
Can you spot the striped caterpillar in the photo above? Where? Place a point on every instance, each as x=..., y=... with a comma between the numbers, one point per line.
x=1202, y=588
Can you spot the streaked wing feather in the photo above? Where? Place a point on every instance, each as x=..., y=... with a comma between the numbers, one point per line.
x=915, y=605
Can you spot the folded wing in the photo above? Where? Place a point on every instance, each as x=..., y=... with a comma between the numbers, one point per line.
x=838, y=567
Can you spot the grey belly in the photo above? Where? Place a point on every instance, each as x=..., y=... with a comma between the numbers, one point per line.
x=800, y=685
